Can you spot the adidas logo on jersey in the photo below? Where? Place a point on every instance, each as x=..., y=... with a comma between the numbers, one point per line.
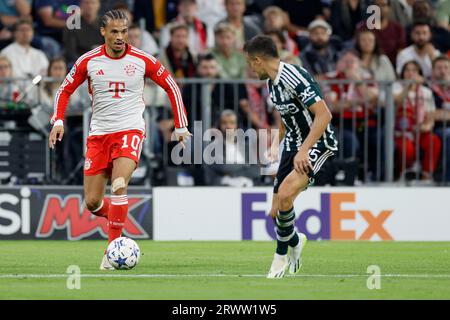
x=134, y=153
x=100, y=73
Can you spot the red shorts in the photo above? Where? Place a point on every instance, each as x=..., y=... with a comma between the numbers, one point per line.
x=103, y=149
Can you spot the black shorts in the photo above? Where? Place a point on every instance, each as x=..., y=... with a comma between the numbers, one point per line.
x=319, y=157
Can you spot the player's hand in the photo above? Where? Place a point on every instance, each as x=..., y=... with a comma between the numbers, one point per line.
x=301, y=162
x=57, y=133
x=183, y=137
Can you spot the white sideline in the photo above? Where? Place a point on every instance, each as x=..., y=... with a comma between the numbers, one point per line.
x=118, y=274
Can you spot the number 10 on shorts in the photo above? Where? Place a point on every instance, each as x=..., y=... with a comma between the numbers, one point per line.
x=134, y=142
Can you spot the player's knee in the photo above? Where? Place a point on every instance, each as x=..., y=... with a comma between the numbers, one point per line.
x=118, y=186
x=93, y=204
x=285, y=200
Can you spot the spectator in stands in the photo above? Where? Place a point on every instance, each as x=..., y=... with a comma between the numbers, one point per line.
x=441, y=91
x=256, y=106
x=366, y=44
x=222, y=95
x=26, y=61
x=351, y=103
x=302, y=13
x=319, y=57
x=9, y=91
x=57, y=69
x=414, y=122
x=156, y=13
x=135, y=36
x=211, y=11
x=235, y=170
x=231, y=60
x=422, y=50
x=246, y=27
x=177, y=57
x=12, y=11
x=200, y=36
x=277, y=20
x=51, y=17
x=346, y=15
x=391, y=35
x=280, y=41
x=422, y=12
x=72, y=146
x=401, y=11
x=148, y=43
x=79, y=41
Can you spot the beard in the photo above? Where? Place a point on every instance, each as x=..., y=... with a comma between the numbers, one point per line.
x=319, y=45
x=421, y=44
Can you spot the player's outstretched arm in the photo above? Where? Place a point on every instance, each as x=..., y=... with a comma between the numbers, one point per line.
x=74, y=78
x=156, y=71
x=322, y=118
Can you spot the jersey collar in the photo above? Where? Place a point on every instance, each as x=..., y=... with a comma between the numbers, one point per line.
x=127, y=48
x=280, y=69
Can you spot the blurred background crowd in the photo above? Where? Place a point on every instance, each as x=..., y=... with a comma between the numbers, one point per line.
x=395, y=57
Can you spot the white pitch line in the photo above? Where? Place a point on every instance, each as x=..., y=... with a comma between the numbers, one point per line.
x=49, y=276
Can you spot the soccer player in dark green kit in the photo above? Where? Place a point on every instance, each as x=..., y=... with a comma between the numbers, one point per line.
x=309, y=143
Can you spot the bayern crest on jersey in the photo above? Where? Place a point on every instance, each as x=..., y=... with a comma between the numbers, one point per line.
x=130, y=70
x=87, y=164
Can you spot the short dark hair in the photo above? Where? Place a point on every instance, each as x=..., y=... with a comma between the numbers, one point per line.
x=440, y=58
x=419, y=23
x=113, y=15
x=261, y=45
x=21, y=22
x=205, y=57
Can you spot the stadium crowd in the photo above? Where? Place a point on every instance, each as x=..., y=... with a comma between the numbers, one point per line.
x=332, y=39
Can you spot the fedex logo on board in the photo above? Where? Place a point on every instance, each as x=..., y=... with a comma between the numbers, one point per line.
x=330, y=214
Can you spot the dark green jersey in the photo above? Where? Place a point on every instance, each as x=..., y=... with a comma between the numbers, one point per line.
x=293, y=91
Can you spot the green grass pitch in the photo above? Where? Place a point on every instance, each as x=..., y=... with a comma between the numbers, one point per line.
x=226, y=270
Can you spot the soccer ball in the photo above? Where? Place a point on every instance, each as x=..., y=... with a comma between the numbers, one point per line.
x=123, y=253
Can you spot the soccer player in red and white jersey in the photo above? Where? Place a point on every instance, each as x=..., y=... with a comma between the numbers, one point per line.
x=116, y=72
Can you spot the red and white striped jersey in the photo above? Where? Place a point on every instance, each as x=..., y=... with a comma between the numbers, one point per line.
x=116, y=88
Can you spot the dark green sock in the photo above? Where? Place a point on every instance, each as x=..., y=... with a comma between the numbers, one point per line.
x=285, y=230
x=294, y=241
